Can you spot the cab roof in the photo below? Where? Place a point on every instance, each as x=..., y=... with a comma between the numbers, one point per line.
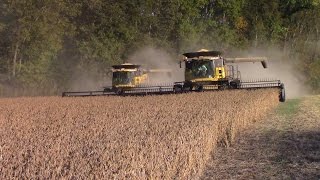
x=126, y=66
x=202, y=52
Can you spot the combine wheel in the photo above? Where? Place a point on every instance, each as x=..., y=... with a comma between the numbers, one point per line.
x=282, y=94
x=223, y=86
x=234, y=85
x=187, y=88
x=119, y=91
x=107, y=90
x=200, y=88
x=177, y=88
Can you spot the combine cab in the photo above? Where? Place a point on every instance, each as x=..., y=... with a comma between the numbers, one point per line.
x=208, y=70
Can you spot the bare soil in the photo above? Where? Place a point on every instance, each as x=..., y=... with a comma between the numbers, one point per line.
x=284, y=146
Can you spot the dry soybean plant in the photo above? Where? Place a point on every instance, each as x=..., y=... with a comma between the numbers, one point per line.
x=152, y=137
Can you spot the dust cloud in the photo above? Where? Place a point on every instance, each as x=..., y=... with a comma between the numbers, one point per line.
x=279, y=68
x=158, y=59
x=164, y=69
x=89, y=79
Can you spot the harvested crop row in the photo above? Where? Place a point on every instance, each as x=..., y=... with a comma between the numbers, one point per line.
x=157, y=137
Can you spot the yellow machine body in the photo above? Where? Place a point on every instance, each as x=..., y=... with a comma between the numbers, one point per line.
x=205, y=70
x=208, y=68
x=218, y=74
x=128, y=76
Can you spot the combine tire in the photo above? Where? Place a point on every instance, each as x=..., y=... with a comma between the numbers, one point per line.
x=234, y=85
x=177, y=88
x=223, y=86
x=107, y=90
x=282, y=94
x=200, y=88
x=187, y=87
x=119, y=91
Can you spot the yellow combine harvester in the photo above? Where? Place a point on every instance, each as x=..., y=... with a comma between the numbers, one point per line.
x=126, y=76
x=130, y=78
x=204, y=71
x=208, y=70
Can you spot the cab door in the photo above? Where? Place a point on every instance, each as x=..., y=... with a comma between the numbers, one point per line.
x=220, y=72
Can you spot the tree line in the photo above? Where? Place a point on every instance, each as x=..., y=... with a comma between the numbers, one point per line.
x=43, y=43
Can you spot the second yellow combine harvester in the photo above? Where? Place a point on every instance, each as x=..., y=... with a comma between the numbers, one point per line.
x=204, y=71
x=131, y=79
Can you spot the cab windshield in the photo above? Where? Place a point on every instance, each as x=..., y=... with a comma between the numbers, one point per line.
x=122, y=77
x=199, y=69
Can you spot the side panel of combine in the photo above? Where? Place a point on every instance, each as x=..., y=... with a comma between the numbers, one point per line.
x=220, y=71
x=141, y=79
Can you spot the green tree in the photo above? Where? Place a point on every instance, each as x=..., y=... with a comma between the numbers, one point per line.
x=264, y=22
x=34, y=34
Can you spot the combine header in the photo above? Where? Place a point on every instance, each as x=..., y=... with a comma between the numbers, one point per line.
x=204, y=71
